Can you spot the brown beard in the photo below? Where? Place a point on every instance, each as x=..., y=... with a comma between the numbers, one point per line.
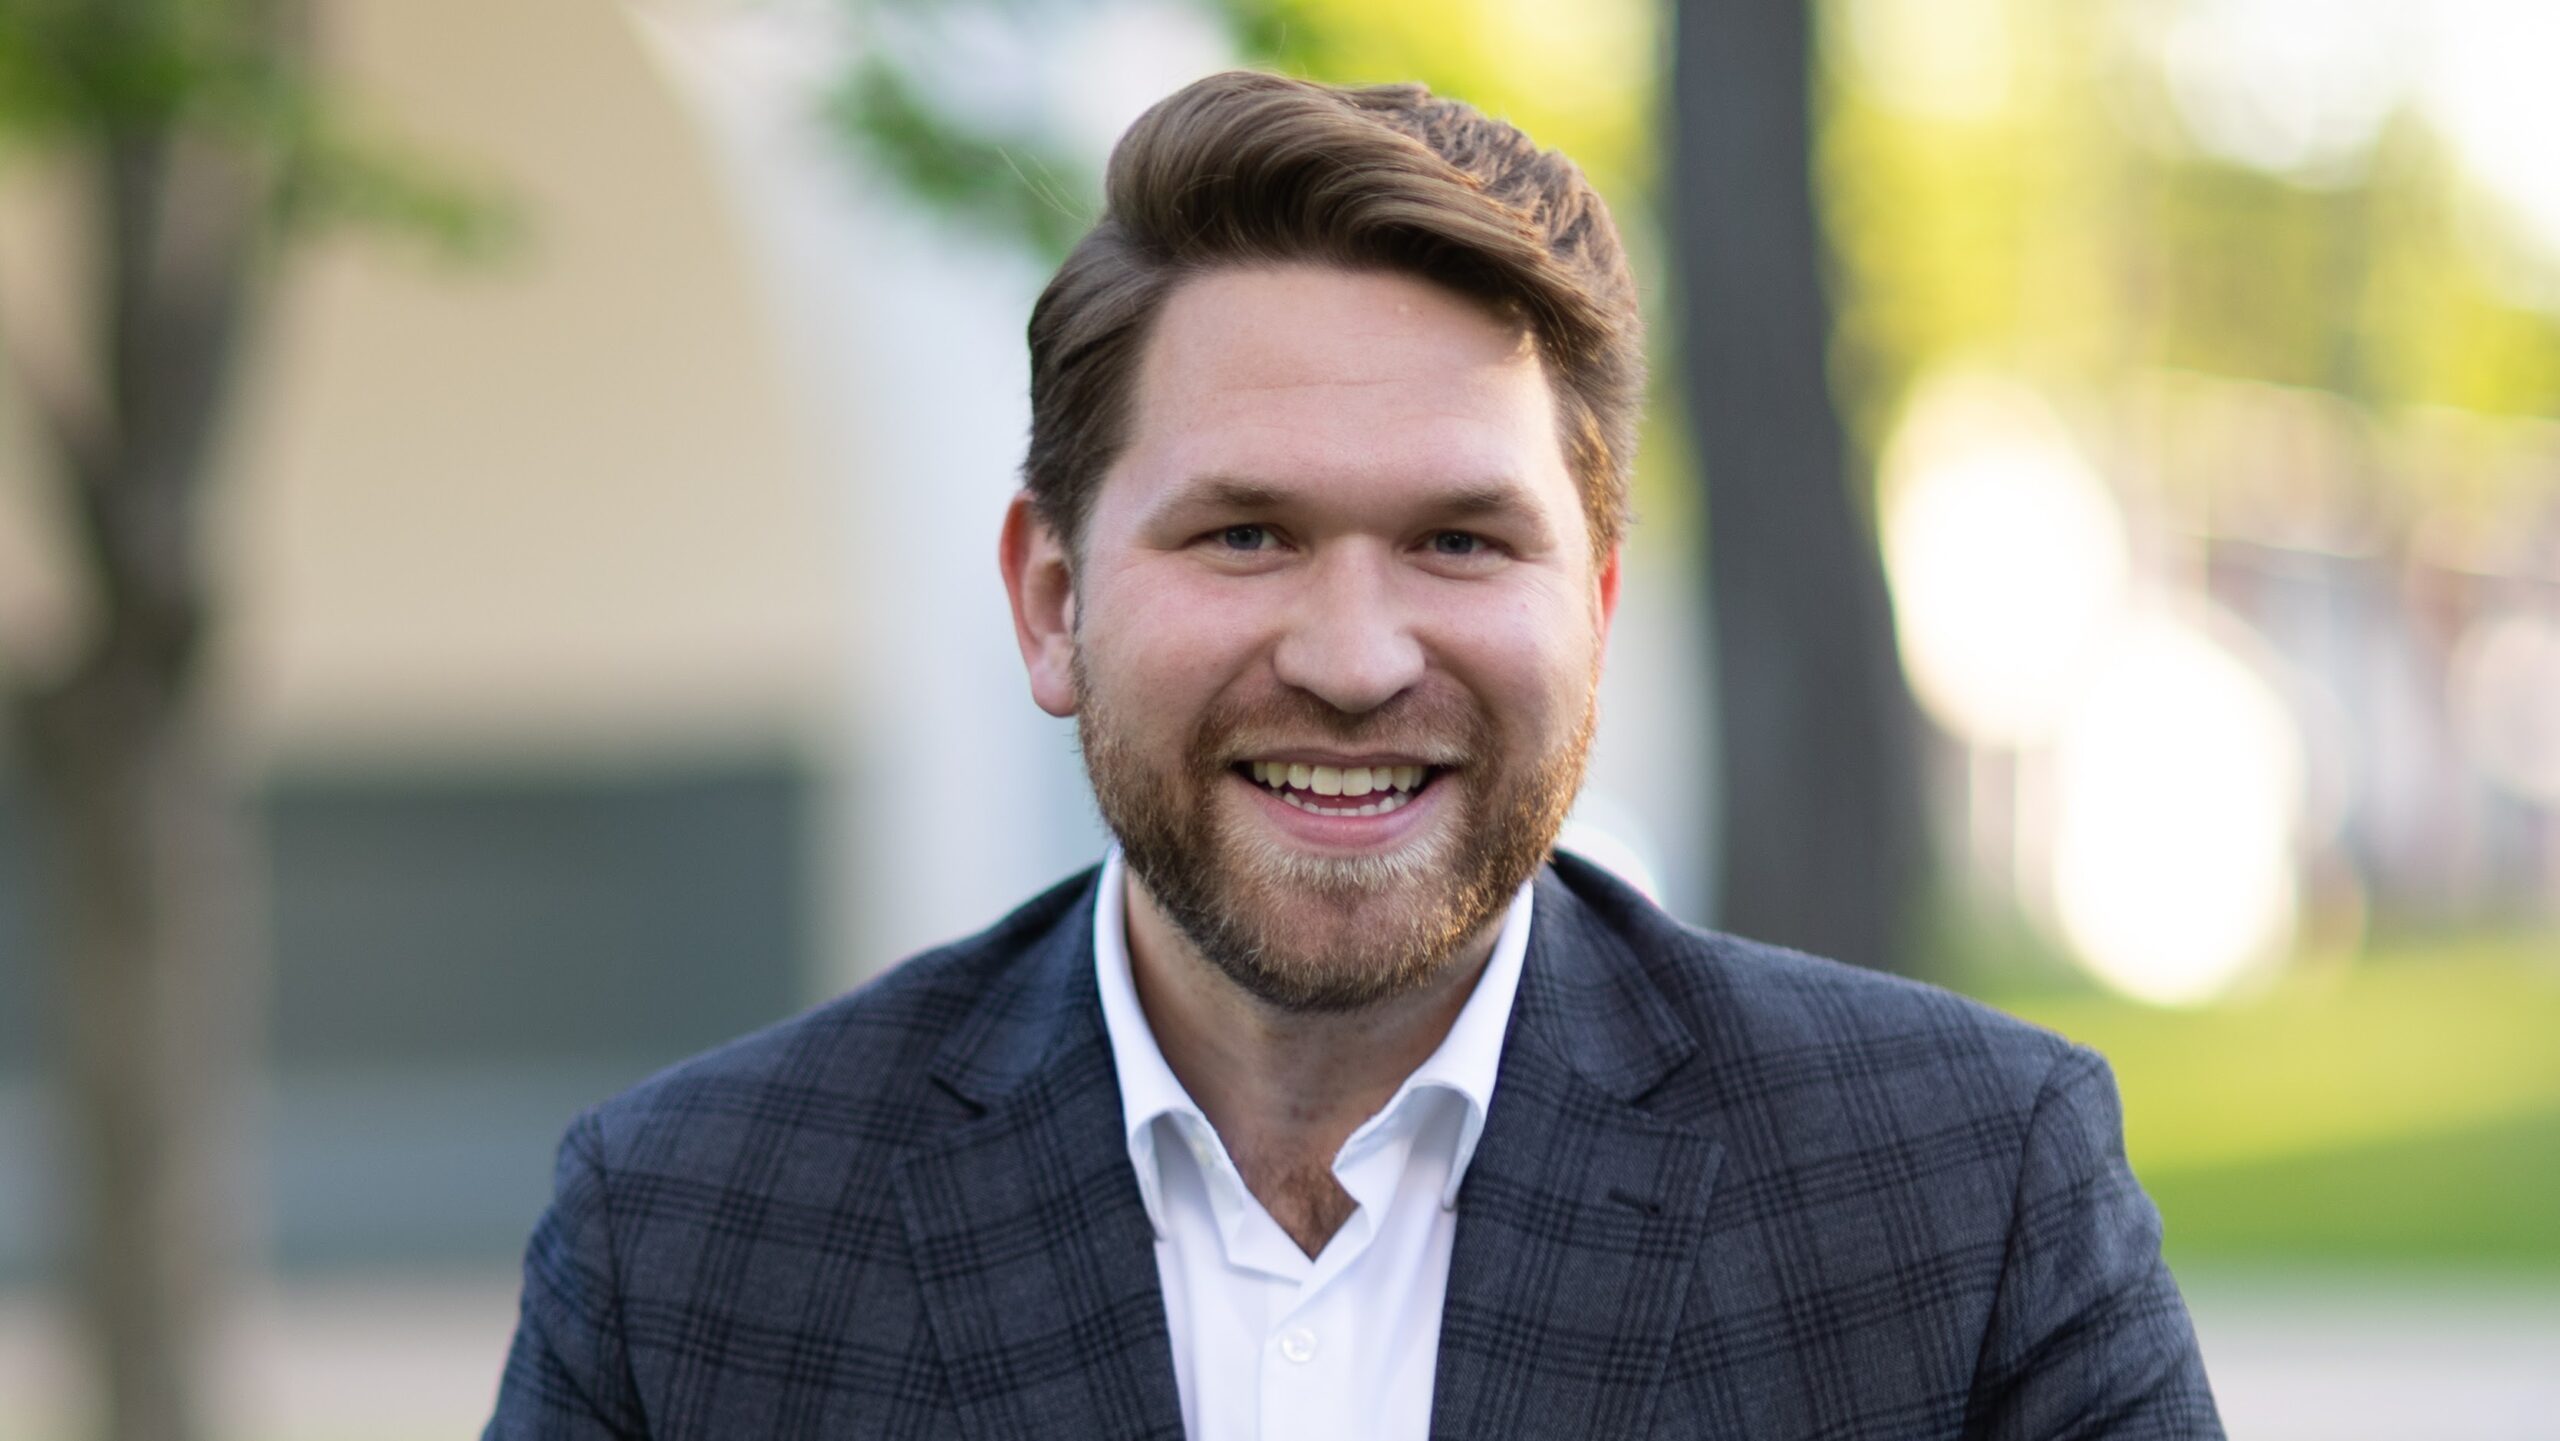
x=1244, y=904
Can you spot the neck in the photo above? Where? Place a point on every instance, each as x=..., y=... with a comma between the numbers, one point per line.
x=1284, y=1089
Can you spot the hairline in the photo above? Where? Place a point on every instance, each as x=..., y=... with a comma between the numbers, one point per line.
x=1510, y=310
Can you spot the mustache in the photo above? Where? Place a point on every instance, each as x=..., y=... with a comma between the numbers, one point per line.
x=1433, y=726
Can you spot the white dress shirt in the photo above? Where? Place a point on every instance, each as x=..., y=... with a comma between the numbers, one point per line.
x=1268, y=1343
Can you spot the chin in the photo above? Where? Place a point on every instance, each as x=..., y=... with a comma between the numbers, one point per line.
x=1288, y=872
x=1309, y=932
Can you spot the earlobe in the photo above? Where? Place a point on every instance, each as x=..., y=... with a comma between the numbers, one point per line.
x=1039, y=581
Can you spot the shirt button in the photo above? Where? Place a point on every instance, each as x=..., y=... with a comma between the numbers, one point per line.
x=1298, y=1344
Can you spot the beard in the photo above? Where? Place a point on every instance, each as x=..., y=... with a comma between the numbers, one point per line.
x=1309, y=932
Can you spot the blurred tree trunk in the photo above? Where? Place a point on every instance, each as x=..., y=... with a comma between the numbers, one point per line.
x=160, y=1005
x=1820, y=795
x=137, y=828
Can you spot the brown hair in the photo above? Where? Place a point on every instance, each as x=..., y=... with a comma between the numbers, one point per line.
x=1244, y=169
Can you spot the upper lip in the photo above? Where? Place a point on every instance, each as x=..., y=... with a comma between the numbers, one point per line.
x=1339, y=759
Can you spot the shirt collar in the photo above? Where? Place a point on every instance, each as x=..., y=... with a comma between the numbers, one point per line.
x=1465, y=1063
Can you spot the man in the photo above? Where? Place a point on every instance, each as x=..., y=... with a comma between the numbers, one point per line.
x=1331, y=1106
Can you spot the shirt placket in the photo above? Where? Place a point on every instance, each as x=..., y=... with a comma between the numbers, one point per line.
x=1306, y=1372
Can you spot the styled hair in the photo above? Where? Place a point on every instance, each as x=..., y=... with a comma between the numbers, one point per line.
x=1245, y=169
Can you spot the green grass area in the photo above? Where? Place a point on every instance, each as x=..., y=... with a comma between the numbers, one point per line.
x=2484, y=1198
x=2402, y=1110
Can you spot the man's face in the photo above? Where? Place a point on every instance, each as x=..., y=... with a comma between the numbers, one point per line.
x=1335, y=630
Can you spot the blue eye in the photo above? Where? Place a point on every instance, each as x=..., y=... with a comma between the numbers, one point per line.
x=1245, y=537
x=1456, y=542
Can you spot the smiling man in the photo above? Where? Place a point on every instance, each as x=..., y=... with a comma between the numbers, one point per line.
x=1332, y=1104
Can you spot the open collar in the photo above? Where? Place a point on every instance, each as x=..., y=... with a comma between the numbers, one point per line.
x=1466, y=1063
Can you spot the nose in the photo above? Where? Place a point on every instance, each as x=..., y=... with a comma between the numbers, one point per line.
x=1347, y=640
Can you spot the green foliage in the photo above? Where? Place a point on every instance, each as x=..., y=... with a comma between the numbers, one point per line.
x=69, y=69
x=1978, y=233
x=2438, y=329
x=2248, y=274
x=2068, y=229
x=338, y=177
x=1010, y=184
x=1580, y=81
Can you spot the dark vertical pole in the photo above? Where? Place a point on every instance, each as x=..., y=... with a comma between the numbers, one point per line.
x=1820, y=816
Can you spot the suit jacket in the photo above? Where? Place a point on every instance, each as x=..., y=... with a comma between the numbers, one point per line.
x=1724, y=1190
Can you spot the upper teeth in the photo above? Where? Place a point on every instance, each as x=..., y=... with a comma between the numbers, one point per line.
x=1337, y=780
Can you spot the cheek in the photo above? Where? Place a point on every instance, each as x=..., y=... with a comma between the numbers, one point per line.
x=1530, y=655
x=1170, y=642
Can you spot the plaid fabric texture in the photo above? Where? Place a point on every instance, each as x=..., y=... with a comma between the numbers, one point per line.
x=1724, y=1191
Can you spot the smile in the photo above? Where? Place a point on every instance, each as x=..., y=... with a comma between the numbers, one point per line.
x=1341, y=790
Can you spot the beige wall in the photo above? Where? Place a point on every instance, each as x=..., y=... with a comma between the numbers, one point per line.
x=549, y=509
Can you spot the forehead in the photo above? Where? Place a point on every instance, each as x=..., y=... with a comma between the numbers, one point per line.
x=1339, y=385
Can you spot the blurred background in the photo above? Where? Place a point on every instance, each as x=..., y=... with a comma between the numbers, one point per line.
x=497, y=514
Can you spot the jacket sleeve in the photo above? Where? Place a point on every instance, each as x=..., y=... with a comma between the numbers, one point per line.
x=2088, y=1336
x=568, y=1375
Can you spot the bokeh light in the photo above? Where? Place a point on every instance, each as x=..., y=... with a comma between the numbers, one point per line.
x=2298, y=87
x=2179, y=782
x=1952, y=59
x=2005, y=553
x=2487, y=88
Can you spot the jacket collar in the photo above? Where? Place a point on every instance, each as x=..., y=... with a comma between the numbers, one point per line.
x=1589, y=993
x=1033, y=1256
x=1043, y=1006
x=1581, y=1221
x=1586, y=994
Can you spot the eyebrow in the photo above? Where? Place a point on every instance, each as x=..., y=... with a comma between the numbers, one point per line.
x=1495, y=497
x=1222, y=492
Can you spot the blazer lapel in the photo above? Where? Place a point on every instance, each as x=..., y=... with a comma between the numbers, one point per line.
x=1032, y=1249
x=1580, y=1218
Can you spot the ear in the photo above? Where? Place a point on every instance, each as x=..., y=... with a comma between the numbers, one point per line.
x=1607, y=584
x=1040, y=583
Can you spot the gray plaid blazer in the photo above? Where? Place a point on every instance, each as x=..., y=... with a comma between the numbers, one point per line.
x=1725, y=1190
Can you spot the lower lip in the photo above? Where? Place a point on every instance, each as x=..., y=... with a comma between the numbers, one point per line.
x=1346, y=832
